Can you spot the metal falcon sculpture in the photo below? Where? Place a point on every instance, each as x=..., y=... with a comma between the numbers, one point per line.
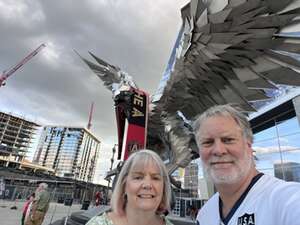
x=228, y=51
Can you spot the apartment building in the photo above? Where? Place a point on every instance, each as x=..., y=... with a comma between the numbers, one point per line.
x=70, y=151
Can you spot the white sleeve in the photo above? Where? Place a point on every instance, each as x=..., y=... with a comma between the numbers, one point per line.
x=288, y=204
x=198, y=218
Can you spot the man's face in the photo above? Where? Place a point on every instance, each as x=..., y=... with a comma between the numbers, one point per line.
x=225, y=152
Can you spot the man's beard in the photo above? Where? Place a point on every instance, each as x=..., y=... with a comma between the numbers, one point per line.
x=239, y=169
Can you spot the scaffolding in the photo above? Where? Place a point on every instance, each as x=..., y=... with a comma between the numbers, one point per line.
x=16, y=135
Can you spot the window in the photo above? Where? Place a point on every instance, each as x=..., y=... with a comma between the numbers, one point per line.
x=277, y=150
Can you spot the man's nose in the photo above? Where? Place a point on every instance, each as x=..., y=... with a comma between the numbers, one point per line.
x=219, y=148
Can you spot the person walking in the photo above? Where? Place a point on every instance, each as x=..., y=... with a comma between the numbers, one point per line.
x=27, y=207
x=98, y=198
x=40, y=205
x=245, y=196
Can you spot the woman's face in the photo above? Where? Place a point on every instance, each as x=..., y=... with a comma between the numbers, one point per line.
x=144, y=187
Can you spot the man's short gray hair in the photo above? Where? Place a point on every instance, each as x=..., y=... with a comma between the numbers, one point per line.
x=225, y=110
x=43, y=185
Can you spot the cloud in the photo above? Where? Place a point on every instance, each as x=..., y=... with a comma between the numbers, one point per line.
x=275, y=149
x=56, y=87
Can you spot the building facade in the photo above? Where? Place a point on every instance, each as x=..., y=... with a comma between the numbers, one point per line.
x=276, y=136
x=16, y=135
x=71, y=151
x=190, y=180
x=289, y=171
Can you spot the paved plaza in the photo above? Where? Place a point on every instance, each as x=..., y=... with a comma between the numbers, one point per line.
x=13, y=217
x=56, y=211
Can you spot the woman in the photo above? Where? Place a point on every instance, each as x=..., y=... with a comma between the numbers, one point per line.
x=27, y=208
x=142, y=193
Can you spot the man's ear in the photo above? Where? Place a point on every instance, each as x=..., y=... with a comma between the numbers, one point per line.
x=249, y=145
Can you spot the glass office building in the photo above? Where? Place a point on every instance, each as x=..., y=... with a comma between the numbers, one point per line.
x=70, y=151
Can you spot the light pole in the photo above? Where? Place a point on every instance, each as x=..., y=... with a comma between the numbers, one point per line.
x=110, y=169
x=113, y=156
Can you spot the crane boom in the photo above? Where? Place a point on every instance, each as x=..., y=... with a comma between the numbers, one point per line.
x=5, y=75
x=90, y=116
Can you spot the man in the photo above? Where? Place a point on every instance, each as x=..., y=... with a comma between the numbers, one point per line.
x=40, y=205
x=245, y=196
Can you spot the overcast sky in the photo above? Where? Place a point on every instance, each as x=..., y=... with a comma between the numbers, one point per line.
x=56, y=87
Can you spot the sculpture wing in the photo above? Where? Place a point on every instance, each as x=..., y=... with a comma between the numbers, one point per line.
x=230, y=51
x=112, y=76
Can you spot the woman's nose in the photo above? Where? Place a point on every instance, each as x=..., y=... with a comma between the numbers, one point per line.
x=147, y=184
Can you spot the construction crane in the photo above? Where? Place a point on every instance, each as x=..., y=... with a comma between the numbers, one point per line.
x=5, y=75
x=89, y=125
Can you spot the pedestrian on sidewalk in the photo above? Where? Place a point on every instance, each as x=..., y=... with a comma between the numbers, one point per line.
x=26, y=207
x=193, y=212
x=40, y=205
x=98, y=198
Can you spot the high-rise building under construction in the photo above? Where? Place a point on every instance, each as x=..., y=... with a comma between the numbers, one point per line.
x=16, y=135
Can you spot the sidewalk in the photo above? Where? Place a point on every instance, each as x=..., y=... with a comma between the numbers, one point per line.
x=181, y=220
x=13, y=217
x=58, y=211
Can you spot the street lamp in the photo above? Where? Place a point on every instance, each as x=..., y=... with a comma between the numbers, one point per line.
x=114, y=149
x=113, y=156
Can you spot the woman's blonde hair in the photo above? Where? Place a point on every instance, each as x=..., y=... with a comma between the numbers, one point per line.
x=141, y=157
